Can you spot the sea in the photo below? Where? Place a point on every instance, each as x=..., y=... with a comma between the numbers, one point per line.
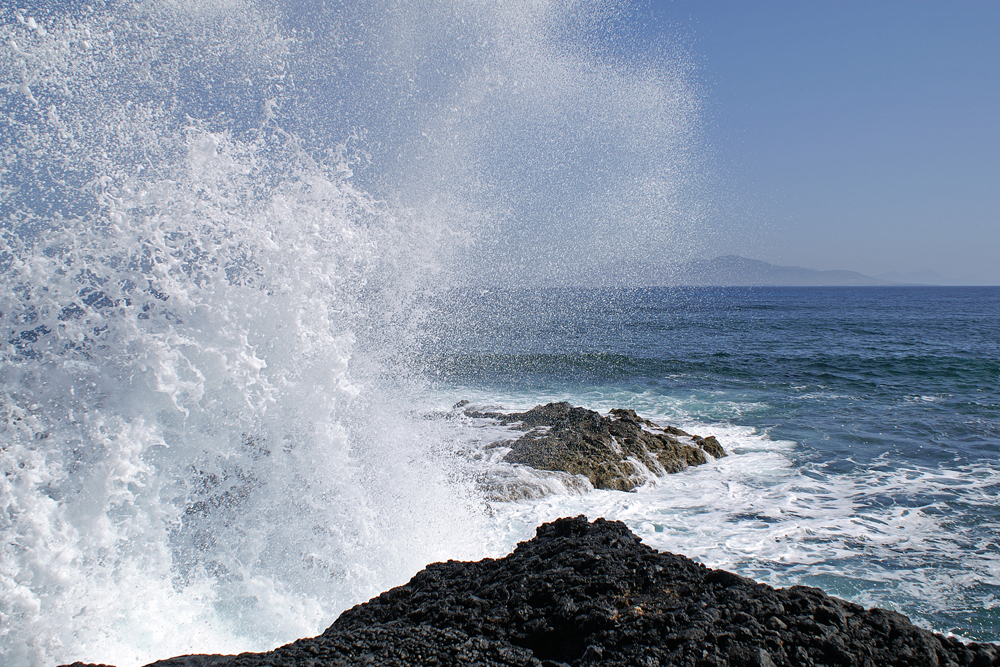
x=862, y=426
x=253, y=256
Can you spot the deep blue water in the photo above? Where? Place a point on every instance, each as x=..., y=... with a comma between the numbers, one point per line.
x=845, y=372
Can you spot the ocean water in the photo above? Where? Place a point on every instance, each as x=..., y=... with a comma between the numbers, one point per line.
x=863, y=426
x=236, y=245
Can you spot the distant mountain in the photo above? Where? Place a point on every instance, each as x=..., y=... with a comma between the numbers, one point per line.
x=736, y=271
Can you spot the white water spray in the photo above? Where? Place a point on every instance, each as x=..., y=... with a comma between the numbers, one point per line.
x=179, y=307
x=204, y=434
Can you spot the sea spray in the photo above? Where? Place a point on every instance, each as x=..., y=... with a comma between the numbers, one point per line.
x=573, y=154
x=221, y=226
x=184, y=467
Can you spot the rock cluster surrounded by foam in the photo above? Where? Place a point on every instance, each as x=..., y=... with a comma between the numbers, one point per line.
x=619, y=451
x=583, y=593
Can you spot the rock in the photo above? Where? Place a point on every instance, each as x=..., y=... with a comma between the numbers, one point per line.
x=710, y=445
x=620, y=451
x=584, y=593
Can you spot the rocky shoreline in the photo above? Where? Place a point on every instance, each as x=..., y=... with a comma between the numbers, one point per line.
x=582, y=593
x=620, y=451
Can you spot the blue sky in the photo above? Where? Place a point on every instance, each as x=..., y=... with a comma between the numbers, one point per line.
x=854, y=135
x=831, y=135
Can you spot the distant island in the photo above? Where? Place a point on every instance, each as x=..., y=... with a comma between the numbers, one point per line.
x=729, y=271
x=736, y=271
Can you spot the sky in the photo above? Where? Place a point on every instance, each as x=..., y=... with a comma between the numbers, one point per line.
x=849, y=135
x=596, y=144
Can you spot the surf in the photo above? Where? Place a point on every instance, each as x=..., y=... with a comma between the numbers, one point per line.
x=222, y=227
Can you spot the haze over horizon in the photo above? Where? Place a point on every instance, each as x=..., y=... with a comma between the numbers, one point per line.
x=736, y=270
x=850, y=135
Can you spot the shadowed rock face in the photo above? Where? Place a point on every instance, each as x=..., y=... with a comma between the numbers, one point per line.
x=605, y=449
x=584, y=593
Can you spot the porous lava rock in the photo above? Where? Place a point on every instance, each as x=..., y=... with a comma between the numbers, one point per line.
x=618, y=451
x=583, y=593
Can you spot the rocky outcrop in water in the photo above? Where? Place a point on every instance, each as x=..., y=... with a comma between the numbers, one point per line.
x=618, y=451
x=584, y=593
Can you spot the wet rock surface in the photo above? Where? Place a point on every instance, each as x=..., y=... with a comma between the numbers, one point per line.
x=618, y=451
x=584, y=593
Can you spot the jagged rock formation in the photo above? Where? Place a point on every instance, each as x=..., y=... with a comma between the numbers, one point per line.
x=584, y=593
x=616, y=452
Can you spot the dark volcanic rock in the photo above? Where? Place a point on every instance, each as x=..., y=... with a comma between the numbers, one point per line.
x=602, y=448
x=584, y=593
